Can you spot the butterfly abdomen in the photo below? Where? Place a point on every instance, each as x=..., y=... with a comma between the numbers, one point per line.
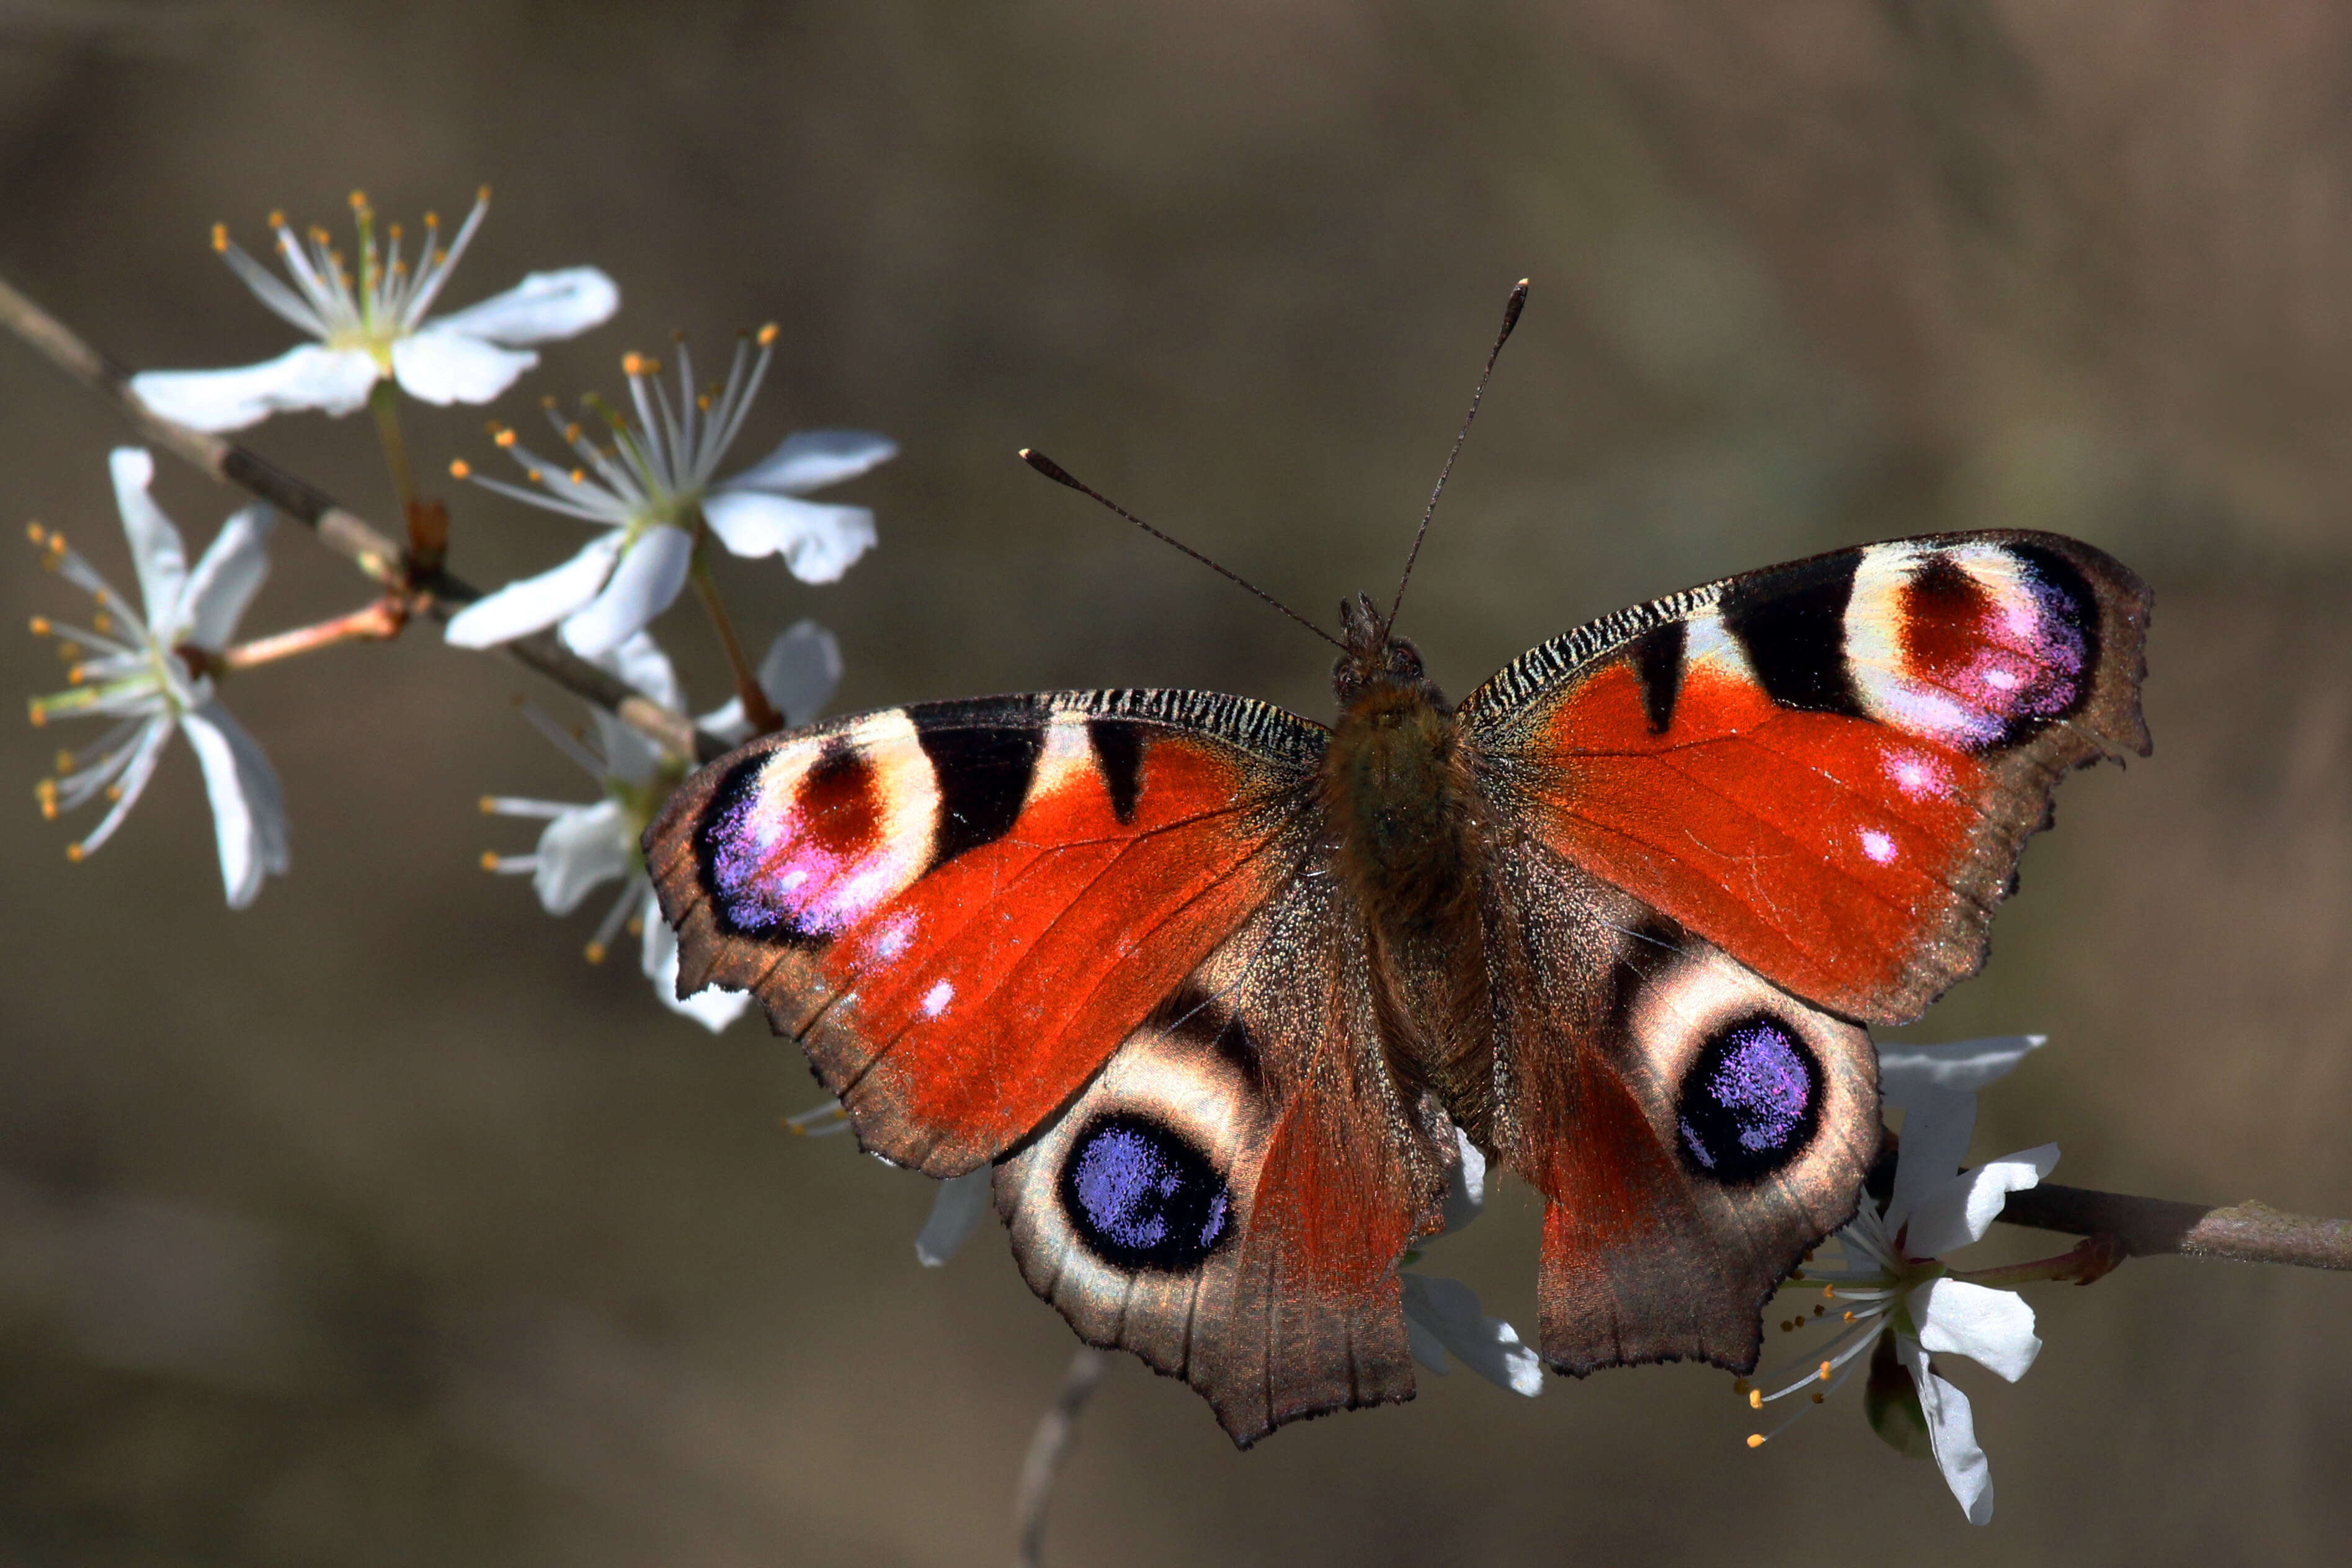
x=1402, y=808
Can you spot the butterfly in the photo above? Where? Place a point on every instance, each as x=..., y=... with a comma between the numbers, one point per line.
x=1216, y=989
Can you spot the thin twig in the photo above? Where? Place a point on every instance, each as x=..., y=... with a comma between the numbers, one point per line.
x=1047, y=1450
x=431, y=593
x=2148, y=1227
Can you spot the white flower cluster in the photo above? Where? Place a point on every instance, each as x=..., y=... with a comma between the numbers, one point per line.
x=648, y=482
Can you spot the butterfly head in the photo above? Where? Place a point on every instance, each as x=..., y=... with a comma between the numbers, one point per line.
x=1371, y=660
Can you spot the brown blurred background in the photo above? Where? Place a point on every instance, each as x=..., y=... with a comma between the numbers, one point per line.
x=372, y=1227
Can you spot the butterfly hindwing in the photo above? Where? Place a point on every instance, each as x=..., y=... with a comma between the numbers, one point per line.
x=1230, y=1198
x=1692, y=1129
x=1828, y=769
x=959, y=909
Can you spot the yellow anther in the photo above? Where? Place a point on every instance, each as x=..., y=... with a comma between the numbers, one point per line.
x=359, y=201
x=318, y=234
x=548, y=401
x=1756, y=1440
x=702, y=401
x=220, y=236
x=483, y=194
x=1829, y=1292
x=394, y=231
x=399, y=269
x=432, y=220
x=635, y=363
x=102, y=622
x=74, y=853
x=1848, y=1318
x=440, y=258
x=505, y=437
x=460, y=470
x=1755, y=1399
x=636, y=926
x=40, y=624
x=768, y=334
x=579, y=476
x=572, y=432
x=75, y=675
x=1825, y=1372
x=114, y=792
x=277, y=218
x=34, y=716
x=595, y=951
x=65, y=764
x=489, y=860
x=533, y=475
x=489, y=806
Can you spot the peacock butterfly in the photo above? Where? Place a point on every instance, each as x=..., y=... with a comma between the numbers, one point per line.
x=1212, y=986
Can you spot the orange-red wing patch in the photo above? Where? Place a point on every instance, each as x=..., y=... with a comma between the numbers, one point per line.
x=961, y=909
x=1817, y=848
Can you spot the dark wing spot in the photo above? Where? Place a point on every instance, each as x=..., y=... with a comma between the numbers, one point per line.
x=838, y=808
x=1792, y=624
x=1143, y=1197
x=984, y=769
x=1118, y=754
x=1945, y=612
x=1657, y=655
x=1750, y=1102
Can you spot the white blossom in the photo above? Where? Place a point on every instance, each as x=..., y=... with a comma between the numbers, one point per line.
x=1893, y=1277
x=146, y=671
x=1442, y=1316
x=375, y=327
x=651, y=495
x=587, y=844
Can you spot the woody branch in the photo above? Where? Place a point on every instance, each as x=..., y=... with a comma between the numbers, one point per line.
x=411, y=587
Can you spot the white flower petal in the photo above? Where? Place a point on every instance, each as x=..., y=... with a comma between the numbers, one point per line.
x=712, y=1007
x=438, y=365
x=1952, y=1430
x=1959, y=1211
x=248, y=810
x=542, y=306
x=585, y=845
x=811, y=460
x=333, y=380
x=1446, y=1311
x=155, y=547
x=534, y=604
x=642, y=586
x=1465, y=1185
x=727, y=722
x=1963, y=1066
x=959, y=1203
x=226, y=578
x=801, y=668
x=818, y=542
x=1992, y=1327
x=1936, y=1126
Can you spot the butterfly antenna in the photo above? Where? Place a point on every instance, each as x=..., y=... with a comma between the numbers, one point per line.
x=1061, y=476
x=1510, y=319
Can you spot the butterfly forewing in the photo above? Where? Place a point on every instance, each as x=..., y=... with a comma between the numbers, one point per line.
x=959, y=909
x=1828, y=769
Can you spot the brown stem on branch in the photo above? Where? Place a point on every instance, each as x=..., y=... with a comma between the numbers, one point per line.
x=1047, y=1450
x=432, y=592
x=2147, y=1227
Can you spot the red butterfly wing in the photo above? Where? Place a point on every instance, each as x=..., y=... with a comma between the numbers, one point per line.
x=964, y=910
x=1818, y=776
x=1828, y=769
x=959, y=909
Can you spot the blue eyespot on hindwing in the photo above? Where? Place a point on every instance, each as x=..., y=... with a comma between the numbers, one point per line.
x=1140, y=1197
x=1750, y=1102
